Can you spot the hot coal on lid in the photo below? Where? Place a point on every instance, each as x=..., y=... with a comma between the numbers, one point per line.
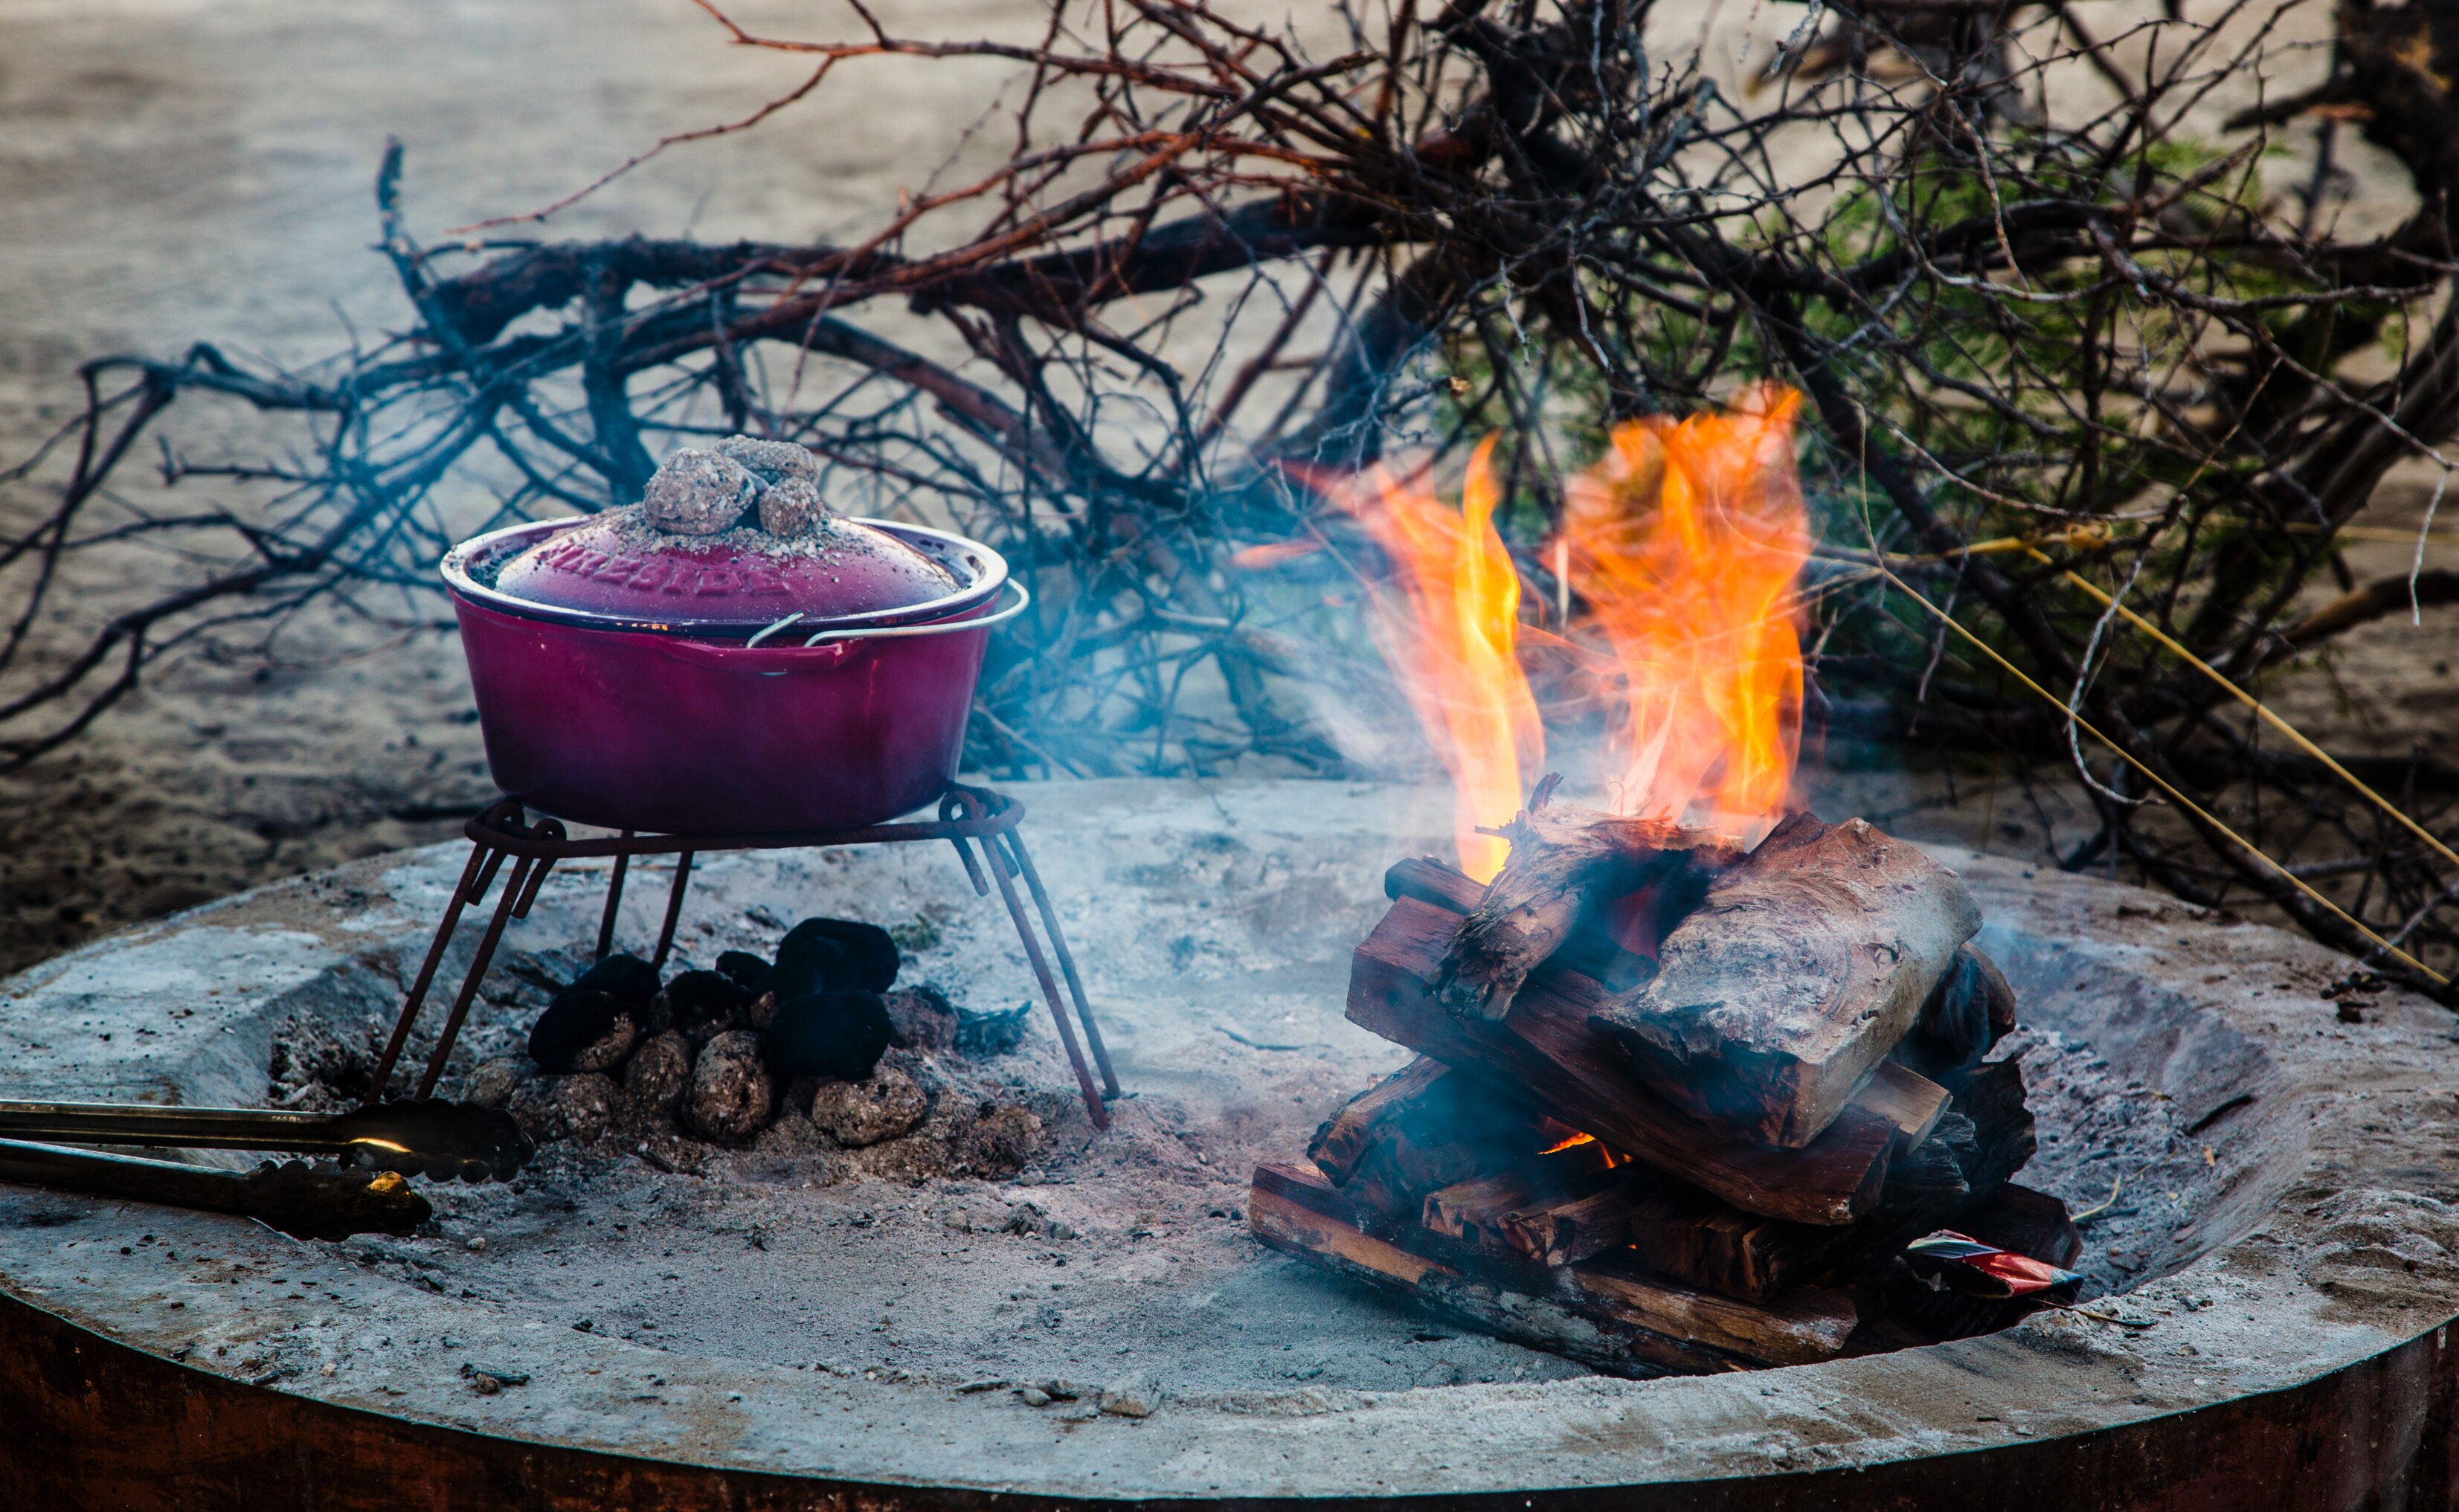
x=731, y=537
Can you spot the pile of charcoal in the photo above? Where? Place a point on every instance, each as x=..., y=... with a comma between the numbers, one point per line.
x=818, y=1044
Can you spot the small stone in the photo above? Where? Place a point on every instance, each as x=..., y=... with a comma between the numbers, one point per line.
x=859, y=1113
x=696, y=493
x=922, y=1018
x=607, y=1051
x=659, y=1071
x=772, y=462
x=730, y=1090
x=1133, y=1397
x=476, y=1243
x=1034, y=1397
x=493, y=1084
x=791, y=509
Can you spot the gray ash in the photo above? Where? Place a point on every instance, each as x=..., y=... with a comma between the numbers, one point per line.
x=2098, y=1129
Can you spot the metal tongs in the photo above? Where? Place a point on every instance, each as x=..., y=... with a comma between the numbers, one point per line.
x=437, y=1139
x=382, y=1144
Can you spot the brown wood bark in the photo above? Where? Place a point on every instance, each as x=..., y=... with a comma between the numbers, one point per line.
x=1293, y=1209
x=1633, y=1314
x=1806, y=963
x=1544, y=1050
x=1427, y=1127
x=1341, y=1142
x=1564, y=861
x=1800, y=1326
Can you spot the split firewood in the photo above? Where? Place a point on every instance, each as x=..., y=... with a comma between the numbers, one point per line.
x=1480, y=1212
x=1970, y=1010
x=1427, y=1127
x=1670, y=1225
x=1341, y=1142
x=1986, y=1136
x=1800, y=1326
x=1545, y=1050
x=1896, y=1090
x=1293, y=1208
x=1567, y=862
x=1432, y=881
x=1804, y=965
x=2025, y=1222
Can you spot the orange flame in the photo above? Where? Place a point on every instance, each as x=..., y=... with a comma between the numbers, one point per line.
x=1684, y=539
x=1685, y=542
x=1454, y=642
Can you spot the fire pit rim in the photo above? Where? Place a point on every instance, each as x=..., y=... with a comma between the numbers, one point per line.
x=2276, y=1328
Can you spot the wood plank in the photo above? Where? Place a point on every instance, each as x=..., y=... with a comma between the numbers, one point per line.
x=1800, y=1326
x=1544, y=1050
x=1804, y=966
x=1293, y=1209
x=1429, y=880
x=1895, y=1090
x=1905, y=1098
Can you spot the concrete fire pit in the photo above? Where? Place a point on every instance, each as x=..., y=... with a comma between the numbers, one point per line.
x=808, y=1326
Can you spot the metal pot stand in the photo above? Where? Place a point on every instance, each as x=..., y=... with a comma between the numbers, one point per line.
x=967, y=817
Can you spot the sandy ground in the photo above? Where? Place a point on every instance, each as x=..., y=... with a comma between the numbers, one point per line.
x=183, y=170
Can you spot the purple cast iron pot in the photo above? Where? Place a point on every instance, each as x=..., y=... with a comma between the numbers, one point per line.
x=636, y=725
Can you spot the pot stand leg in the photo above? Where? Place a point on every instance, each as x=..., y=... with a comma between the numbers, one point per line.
x=520, y=891
x=471, y=888
x=614, y=901
x=674, y=911
x=1015, y=839
x=1000, y=867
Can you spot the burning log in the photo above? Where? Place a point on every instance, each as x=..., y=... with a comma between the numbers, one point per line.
x=1567, y=865
x=1427, y=1127
x=1970, y=1010
x=1986, y=1137
x=1609, y=1316
x=1402, y=1154
x=1685, y=1159
x=1802, y=969
x=1545, y=1043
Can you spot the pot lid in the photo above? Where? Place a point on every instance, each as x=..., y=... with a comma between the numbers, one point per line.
x=728, y=537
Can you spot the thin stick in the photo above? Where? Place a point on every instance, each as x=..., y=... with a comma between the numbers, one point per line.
x=2166, y=787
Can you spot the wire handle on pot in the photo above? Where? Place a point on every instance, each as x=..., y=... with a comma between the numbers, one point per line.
x=1023, y=598
x=772, y=630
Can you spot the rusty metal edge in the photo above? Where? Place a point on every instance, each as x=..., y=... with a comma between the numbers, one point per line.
x=87, y=1421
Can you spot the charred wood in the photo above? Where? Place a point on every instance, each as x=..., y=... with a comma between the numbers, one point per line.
x=1545, y=1046
x=1805, y=965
